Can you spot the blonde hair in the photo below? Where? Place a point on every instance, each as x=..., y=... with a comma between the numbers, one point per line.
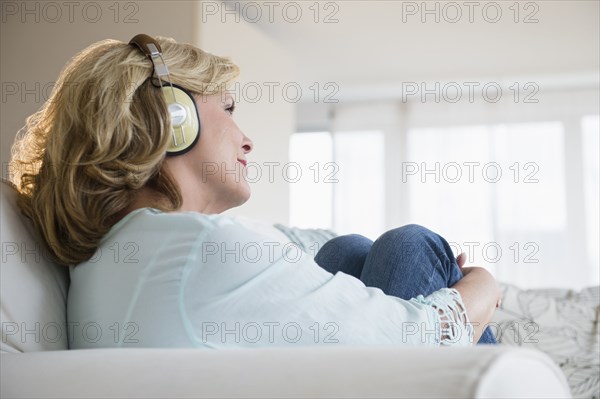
x=101, y=136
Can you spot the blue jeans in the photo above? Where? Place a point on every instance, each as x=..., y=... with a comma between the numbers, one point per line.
x=403, y=262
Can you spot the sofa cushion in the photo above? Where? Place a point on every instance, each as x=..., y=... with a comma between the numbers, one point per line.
x=33, y=290
x=561, y=322
x=485, y=371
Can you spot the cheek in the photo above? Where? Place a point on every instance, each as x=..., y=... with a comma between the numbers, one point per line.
x=212, y=148
x=218, y=135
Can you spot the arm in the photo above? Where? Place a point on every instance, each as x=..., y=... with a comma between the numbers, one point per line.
x=480, y=293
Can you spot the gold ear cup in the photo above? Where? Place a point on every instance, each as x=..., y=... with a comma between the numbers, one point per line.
x=185, y=125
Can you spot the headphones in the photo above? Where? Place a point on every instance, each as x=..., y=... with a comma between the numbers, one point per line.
x=185, y=119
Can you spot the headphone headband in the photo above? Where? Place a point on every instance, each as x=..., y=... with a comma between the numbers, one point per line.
x=152, y=49
x=142, y=42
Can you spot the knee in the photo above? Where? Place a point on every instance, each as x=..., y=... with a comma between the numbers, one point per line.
x=409, y=233
x=411, y=238
x=343, y=247
x=415, y=239
x=346, y=245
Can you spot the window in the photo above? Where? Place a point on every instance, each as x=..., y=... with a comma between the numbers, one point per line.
x=359, y=193
x=344, y=188
x=311, y=195
x=494, y=193
x=591, y=154
x=515, y=187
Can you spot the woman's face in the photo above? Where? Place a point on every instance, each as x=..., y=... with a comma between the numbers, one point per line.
x=211, y=175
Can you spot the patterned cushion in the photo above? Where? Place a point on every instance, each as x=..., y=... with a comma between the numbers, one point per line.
x=563, y=323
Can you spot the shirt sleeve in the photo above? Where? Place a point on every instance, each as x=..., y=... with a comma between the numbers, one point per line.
x=240, y=288
x=455, y=327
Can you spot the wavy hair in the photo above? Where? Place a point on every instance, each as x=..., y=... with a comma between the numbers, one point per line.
x=102, y=136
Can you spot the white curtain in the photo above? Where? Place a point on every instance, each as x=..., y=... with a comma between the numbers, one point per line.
x=534, y=225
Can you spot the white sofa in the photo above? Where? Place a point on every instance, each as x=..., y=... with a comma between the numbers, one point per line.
x=35, y=360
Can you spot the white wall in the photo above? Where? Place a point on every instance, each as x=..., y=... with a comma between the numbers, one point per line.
x=267, y=120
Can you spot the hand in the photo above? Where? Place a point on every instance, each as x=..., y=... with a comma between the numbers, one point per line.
x=460, y=260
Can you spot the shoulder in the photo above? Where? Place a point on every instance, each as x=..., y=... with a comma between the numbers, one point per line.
x=150, y=219
x=150, y=222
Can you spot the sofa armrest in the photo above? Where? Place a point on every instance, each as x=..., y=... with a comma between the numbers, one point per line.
x=476, y=372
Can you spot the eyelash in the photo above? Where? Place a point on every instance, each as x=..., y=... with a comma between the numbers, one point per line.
x=230, y=109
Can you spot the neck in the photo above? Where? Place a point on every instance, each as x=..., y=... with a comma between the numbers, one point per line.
x=143, y=198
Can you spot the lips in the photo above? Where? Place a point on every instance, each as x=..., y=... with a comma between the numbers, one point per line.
x=242, y=161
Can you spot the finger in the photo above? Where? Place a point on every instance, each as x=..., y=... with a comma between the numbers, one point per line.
x=461, y=259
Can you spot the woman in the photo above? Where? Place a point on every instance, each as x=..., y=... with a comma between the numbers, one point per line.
x=114, y=173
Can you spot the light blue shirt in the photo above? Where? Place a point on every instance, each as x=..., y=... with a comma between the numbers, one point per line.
x=185, y=279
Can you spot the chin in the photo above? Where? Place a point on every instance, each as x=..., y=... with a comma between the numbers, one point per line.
x=243, y=194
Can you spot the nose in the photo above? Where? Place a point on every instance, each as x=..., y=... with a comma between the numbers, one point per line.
x=247, y=144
